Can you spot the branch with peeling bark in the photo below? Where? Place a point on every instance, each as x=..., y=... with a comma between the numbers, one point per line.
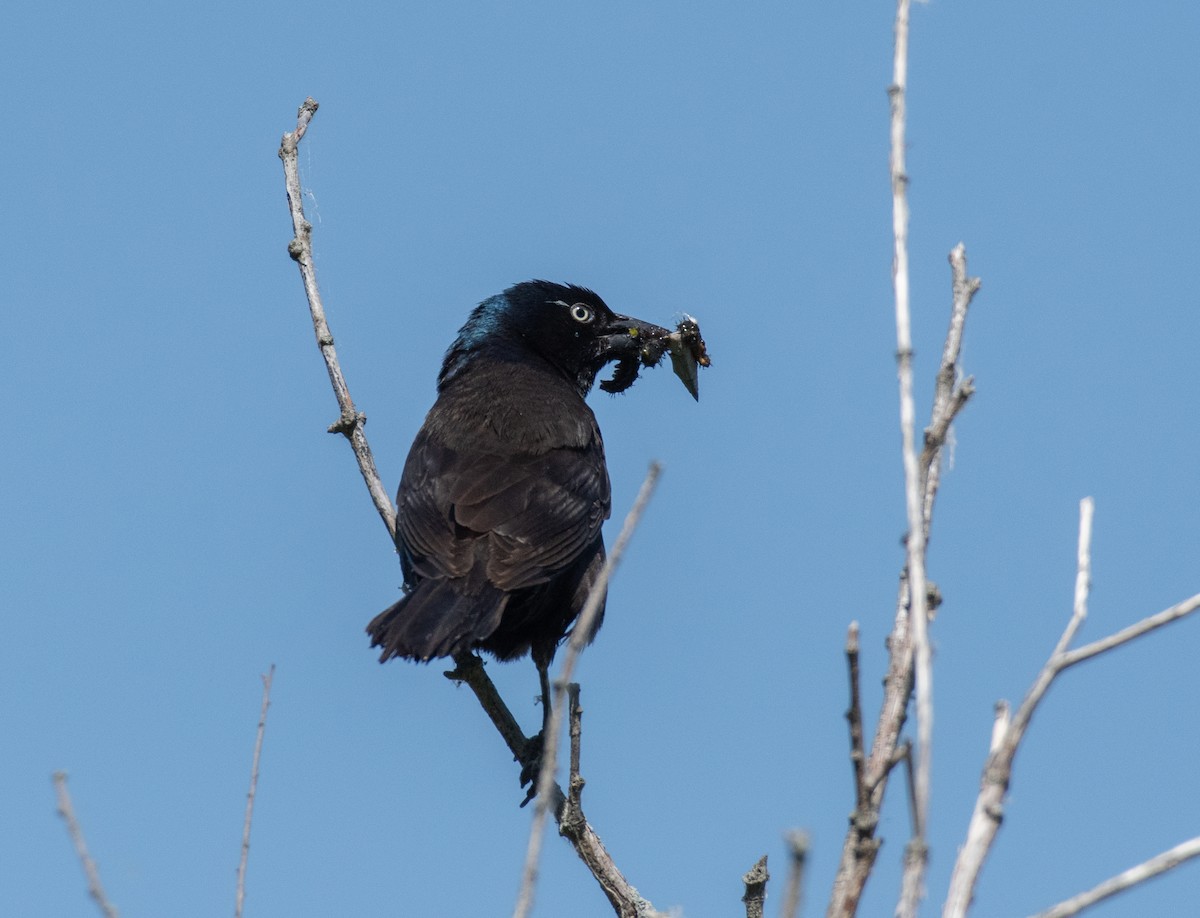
x=469, y=668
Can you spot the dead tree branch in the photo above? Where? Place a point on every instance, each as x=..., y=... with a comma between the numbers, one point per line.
x=1008, y=733
x=912, y=888
x=908, y=644
x=861, y=845
x=67, y=812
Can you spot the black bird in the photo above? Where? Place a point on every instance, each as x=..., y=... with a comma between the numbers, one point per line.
x=505, y=487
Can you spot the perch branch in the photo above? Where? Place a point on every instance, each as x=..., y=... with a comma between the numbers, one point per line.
x=1160, y=863
x=67, y=812
x=579, y=636
x=626, y=901
x=258, y=744
x=351, y=421
x=468, y=667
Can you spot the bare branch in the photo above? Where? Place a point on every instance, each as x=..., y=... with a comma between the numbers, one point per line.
x=1160, y=863
x=861, y=846
x=798, y=845
x=67, y=812
x=756, y=888
x=351, y=421
x=913, y=885
x=579, y=635
x=258, y=744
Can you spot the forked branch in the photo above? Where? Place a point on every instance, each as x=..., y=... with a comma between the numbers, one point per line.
x=1008, y=732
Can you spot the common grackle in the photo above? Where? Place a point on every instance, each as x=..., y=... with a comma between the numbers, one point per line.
x=505, y=487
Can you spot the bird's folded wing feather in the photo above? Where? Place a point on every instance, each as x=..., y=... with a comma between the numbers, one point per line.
x=537, y=512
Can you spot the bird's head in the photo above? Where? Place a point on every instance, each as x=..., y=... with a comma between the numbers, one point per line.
x=569, y=327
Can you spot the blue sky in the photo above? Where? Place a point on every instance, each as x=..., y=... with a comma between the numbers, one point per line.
x=176, y=518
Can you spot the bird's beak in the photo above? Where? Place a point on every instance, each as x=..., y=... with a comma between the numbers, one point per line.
x=634, y=344
x=626, y=337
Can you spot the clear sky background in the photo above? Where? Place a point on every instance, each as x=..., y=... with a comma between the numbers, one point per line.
x=175, y=518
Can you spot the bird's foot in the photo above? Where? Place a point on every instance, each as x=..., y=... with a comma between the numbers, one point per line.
x=531, y=766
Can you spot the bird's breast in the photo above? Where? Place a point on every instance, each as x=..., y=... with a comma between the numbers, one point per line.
x=511, y=407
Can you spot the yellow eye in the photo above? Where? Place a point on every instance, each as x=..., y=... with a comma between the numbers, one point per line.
x=582, y=314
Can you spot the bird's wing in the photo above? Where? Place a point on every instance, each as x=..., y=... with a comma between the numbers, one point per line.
x=538, y=512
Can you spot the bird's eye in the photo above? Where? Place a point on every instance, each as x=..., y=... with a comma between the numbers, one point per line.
x=582, y=314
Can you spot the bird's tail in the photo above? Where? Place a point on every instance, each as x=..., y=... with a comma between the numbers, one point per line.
x=438, y=619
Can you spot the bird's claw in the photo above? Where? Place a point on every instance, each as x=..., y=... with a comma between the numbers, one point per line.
x=531, y=766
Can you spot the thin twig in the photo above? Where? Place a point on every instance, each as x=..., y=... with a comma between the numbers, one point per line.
x=579, y=635
x=1160, y=863
x=351, y=421
x=798, y=845
x=67, y=812
x=755, y=880
x=258, y=744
